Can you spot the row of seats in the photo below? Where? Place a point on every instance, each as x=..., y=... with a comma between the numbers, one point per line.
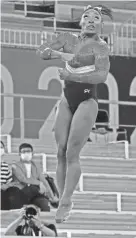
x=95, y=179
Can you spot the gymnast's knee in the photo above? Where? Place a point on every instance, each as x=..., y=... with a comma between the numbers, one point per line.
x=61, y=155
x=72, y=154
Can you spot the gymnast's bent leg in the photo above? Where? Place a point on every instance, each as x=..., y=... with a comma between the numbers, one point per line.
x=61, y=128
x=82, y=123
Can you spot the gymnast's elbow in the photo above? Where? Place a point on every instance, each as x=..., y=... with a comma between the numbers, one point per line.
x=42, y=54
x=101, y=77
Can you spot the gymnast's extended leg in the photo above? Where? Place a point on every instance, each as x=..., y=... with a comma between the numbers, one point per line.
x=82, y=123
x=61, y=128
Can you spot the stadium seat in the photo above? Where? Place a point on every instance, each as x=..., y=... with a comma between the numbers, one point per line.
x=102, y=125
x=121, y=134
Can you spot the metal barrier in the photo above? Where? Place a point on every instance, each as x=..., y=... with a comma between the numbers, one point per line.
x=22, y=119
x=119, y=43
x=124, y=37
x=126, y=147
x=20, y=38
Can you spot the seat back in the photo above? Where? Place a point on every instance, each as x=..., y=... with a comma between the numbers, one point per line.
x=102, y=119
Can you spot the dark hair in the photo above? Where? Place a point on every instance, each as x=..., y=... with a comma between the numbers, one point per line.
x=2, y=144
x=102, y=10
x=106, y=11
x=25, y=145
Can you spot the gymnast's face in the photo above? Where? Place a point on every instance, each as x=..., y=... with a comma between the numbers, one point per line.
x=91, y=22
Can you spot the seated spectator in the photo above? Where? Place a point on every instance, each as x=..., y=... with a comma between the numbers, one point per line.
x=11, y=197
x=29, y=179
x=5, y=178
x=30, y=224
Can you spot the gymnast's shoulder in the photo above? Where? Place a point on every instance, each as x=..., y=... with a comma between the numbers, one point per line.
x=102, y=46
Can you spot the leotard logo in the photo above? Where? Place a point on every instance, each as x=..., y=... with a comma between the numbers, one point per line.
x=86, y=90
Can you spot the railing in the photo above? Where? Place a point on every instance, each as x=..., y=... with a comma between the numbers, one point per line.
x=10, y=37
x=119, y=43
x=22, y=119
x=126, y=147
x=124, y=37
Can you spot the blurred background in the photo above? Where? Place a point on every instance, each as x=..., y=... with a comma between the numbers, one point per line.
x=31, y=90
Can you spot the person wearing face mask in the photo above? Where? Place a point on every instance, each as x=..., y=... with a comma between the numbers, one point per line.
x=87, y=64
x=29, y=179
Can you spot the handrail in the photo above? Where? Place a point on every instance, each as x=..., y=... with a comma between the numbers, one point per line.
x=126, y=145
x=120, y=44
x=126, y=30
x=22, y=119
x=57, y=98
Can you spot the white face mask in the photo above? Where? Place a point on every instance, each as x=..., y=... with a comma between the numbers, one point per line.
x=2, y=151
x=26, y=156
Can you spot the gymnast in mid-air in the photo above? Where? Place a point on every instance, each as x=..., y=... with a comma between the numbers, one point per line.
x=87, y=64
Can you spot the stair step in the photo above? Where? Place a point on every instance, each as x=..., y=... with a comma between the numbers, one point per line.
x=103, y=165
x=49, y=147
x=89, y=165
x=103, y=202
x=106, y=184
x=84, y=221
x=109, y=185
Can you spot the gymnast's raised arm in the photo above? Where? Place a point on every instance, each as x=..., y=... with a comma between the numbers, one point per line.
x=98, y=74
x=51, y=50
